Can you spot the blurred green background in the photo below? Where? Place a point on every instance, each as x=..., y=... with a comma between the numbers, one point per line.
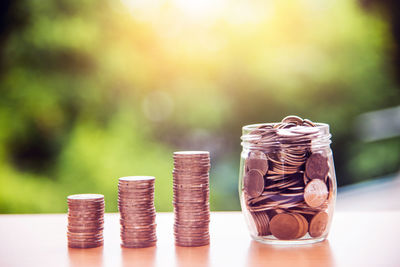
x=95, y=90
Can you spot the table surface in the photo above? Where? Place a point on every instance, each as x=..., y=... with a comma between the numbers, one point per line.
x=356, y=239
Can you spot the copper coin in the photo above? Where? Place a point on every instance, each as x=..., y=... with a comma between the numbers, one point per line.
x=303, y=225
x=80, y=240
x=85, y=224
x=284, y=226
x=85, y=235
x=135, y=187
x=138, y=244
x=85, y=215
x=191, y=206
x=128, y=239
x=191, y=154
x=137, y=234
x=86, y=203
x=82, y=229
x=192, y=237
x=85, y=245
x=136, y=178
x=317, y=166
x=131, y=237
x=85, y=197
x=315, y=193
x=257, y=160
x=254, y=183
x=292, y=119
x=318, y=224
x=192, y=243
x=189, y=238
x=200, y=225
x=261, y=220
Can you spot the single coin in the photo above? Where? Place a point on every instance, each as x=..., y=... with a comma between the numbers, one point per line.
x=136, y=178
x=139, y=244
x=308, y=122
x=85, y=245
x=284, y=226
x=257, y=160
x=303, y=229
x=292, y=119
x=191, y=154
x=254, y=183
x=317, y=166
x=85, y=197
x=315, y=193
x=318, y=224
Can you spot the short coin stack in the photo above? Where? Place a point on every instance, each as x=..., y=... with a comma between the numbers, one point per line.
x=85, y=220
x=191, y=198
x=136, y=206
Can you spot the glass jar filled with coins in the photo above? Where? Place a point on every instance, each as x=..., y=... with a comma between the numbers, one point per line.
x=287, y=182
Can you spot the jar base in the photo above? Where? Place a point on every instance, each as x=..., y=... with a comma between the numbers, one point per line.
x=273, y=241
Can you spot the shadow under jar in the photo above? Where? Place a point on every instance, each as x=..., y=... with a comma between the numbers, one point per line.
x=287, y=182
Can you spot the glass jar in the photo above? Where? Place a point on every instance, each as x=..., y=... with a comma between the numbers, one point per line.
x=287, y=181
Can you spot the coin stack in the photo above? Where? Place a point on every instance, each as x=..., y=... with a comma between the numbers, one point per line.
x=287, y=183
x=136, y=206
x=85, y=220
x=191, y=198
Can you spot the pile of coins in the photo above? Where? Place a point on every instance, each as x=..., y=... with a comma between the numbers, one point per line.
x=287, y=186
x=136, y=206
x=191, y=198
x=85, y=220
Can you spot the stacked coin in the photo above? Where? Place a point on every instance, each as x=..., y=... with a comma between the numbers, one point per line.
x=191, y=198
x=286, y=183
x=136, y=206
x=85, y=220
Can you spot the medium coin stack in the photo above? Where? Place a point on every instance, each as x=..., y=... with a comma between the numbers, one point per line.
x=136, y=207
x=287, y=186
x=85, y=220
x=191, y=198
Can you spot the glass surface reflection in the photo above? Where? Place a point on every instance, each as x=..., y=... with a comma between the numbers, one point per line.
x=85, y=257
x=138, y=256
x=192, y=256
x=303, y=255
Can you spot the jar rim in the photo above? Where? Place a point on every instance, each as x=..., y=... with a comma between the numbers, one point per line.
x=250, y=139
x=251, y=127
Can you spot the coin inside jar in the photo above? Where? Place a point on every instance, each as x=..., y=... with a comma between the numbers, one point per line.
x=315, y=193
x=317, y=166
x=292, y=119
x=257, y=160
x=254, y=183
x=284, y=226
x=318, y=224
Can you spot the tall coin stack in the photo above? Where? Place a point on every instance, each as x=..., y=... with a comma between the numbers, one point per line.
x=136, y=206
x=191, y=198
x=85, y=220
